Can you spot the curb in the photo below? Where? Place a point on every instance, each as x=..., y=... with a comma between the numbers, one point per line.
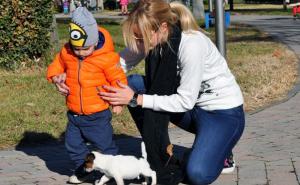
x=116, y=19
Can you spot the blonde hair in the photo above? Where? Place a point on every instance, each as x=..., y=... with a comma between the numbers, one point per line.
x=148, y=15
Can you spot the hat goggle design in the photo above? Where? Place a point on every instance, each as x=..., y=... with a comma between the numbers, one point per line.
x=77, y=35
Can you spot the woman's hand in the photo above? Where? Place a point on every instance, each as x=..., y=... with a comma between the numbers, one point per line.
x=60, y=84
x=117, y=96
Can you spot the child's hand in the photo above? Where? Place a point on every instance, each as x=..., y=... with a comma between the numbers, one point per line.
x=61, y=78
x=62, y=88
x=59, y=82
x=117, y=109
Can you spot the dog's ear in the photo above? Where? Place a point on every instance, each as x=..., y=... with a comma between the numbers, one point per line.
x=90, y=157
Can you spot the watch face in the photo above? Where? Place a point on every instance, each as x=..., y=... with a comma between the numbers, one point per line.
x=133, y=103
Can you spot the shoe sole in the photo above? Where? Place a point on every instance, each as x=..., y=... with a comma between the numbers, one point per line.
x=75, y=180
x=228, y=170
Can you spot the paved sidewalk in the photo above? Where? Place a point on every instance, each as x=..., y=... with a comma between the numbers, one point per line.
x=268, y=153
x=102, y=17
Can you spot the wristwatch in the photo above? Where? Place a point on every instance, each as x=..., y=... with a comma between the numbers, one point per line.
x=133, y=101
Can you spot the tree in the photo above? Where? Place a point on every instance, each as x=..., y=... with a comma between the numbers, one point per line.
x=231, y=5
x=198, y=9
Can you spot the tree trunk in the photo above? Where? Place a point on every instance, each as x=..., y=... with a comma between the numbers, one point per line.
x=54, y=35
x=231, y=5
x=198, y=9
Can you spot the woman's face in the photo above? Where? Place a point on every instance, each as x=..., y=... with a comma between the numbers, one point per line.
x=156, y=37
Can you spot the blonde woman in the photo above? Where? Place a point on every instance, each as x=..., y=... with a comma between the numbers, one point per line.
x=186, y=78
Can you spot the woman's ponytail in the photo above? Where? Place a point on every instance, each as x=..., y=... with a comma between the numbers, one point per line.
x=186, y=18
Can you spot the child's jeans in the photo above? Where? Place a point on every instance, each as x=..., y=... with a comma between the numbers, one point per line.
x=217, y=132
x=94, y=128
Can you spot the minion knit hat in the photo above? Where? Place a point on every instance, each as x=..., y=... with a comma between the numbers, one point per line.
x=83, y=28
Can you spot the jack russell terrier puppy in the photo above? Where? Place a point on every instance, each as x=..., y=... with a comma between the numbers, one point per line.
x=119, y=167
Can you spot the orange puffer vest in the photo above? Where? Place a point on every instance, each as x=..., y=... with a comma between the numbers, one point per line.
x=85, y=78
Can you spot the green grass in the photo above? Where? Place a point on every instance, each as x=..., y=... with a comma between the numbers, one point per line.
x=33, y=111
x=30, y=104
x=264, y=68
x=260, y=9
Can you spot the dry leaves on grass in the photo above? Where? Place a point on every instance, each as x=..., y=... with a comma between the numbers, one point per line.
x=265, y=79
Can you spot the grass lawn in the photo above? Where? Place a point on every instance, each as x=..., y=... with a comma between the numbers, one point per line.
x=33, y=111
x=260, y=9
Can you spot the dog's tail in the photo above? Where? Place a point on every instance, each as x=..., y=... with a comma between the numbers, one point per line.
x=144, y=153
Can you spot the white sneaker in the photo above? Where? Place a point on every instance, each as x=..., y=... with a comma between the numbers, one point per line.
x=74, y=180
x=80, y=176
x=229, y=165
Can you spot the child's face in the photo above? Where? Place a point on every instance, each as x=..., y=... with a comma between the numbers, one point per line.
x=83, y=52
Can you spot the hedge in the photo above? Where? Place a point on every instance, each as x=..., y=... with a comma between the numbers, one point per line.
x=25, y=30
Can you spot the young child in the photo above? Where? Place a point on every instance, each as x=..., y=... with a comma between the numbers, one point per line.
x=89, y=62
x=124, y=4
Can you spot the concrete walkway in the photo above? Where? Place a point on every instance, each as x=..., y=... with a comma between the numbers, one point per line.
x=268, y=153
x=102, y=17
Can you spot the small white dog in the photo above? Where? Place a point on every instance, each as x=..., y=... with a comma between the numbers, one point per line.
x=119, y=167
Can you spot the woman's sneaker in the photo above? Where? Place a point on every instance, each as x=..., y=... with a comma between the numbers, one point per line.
x=229, y=165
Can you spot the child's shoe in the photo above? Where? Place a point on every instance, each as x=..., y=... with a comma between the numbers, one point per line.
x=80, y=176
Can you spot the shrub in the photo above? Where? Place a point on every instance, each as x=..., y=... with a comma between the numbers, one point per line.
x=25, y=27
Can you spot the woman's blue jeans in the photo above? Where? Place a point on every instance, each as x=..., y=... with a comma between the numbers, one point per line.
x=217, y=132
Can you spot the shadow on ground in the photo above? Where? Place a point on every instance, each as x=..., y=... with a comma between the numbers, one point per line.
x=49, y=149
x=52, y=151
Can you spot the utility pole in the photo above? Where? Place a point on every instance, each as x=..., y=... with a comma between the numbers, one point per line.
x=210, y=6
x=220, y=27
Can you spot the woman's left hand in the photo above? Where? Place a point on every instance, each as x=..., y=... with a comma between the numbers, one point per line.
x=117, y=96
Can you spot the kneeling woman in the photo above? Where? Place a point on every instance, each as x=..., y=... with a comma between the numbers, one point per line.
x=186, y=78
